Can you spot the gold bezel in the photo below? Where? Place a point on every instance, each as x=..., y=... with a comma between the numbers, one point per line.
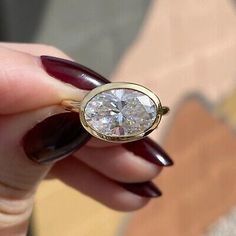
x=117, y=85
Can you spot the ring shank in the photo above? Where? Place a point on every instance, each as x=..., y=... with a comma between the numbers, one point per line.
x=71, y=105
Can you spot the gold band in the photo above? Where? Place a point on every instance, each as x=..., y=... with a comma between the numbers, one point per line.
x=71, y=105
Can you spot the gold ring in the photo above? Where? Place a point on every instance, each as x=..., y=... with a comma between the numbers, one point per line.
x=118, y=112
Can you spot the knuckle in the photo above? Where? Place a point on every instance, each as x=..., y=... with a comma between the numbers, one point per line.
x=14, y=212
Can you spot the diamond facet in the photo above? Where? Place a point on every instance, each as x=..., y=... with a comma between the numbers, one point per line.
x=120, y=112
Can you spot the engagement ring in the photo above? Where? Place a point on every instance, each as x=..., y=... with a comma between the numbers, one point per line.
x=119, y=112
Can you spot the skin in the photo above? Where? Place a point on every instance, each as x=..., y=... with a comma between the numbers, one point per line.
x=22, y=81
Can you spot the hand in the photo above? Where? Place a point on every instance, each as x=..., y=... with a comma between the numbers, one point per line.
x=35, y=134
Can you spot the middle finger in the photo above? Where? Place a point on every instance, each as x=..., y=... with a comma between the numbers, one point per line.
x=118, y=164
x=133, y=162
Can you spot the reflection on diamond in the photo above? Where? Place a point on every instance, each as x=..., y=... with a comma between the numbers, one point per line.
x=120, y=112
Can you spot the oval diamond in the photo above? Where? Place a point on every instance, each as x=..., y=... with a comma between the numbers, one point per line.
x=120, y=112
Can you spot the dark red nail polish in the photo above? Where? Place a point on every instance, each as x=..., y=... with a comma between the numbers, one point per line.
x=145, y=189
x=55, y=137
x=149, y=150
x=72, y=73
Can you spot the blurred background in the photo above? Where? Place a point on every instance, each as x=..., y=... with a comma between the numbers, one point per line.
x=185, y=50
x=89, y=31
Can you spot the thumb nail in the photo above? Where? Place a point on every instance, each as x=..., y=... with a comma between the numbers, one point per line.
x=55, y=138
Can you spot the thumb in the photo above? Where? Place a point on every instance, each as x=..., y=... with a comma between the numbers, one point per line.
x=25, y=87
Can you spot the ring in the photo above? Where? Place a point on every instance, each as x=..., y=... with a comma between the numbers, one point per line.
x=118, y=112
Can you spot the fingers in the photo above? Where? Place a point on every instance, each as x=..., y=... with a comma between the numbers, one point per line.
x=19, y=176
x=25, y=85
x=34, y=131
x=118, y=164
x=130, y=162
x=18, y=173
x=77, y=175
x=45, y=81
x=58, y=136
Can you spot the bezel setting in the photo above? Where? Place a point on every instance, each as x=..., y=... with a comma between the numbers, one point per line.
x=112, y=86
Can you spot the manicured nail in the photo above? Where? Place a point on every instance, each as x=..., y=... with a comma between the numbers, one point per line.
x=150, y=151
x=145, y=189
x=72, y=73
x=55, y=137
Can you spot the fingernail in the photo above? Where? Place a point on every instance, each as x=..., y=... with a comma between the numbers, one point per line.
x=72, y=73
x=150, y=151
x=54, y=138
x=145, y=189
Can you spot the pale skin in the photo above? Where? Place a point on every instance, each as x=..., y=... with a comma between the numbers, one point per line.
x=21, y=107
